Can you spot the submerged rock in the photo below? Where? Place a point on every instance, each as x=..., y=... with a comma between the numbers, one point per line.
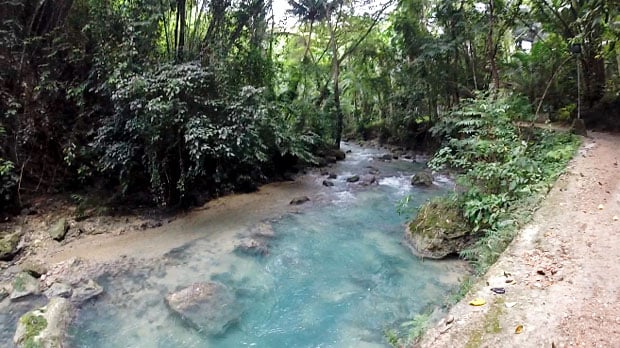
x=252, y=247
x=44, y=327
x=332, y=176
x=299, y=200
x=373, y=170
x=422, y=179
x=208, y=307
x=354, y=178
x=59, y=229
x=24, y=285
x=9, y=246
x=438, y=230
x=328, y=183
x=263, y=230
x=368, y=179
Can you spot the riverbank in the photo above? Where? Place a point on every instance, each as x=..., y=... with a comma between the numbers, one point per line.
x=355, y=199
x=560, y=274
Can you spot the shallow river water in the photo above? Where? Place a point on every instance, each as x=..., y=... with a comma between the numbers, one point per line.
x=336, y=274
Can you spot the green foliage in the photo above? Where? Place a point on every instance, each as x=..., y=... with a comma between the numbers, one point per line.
x=565, y=113
x=417, y=325
x=176, y=128
x=501, y=166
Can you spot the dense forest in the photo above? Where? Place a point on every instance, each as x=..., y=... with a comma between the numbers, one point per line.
x=168, y=100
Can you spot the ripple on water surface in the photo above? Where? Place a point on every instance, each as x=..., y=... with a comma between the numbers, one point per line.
x=336, y=275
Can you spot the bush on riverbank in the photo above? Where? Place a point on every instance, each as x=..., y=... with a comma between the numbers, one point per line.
x=504, y=169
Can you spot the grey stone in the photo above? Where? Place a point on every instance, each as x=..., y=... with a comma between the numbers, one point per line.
x=208, y=307
x=85, y=290
x=368, y=179
x=59, y=290
x=299, y=200
x=328, y=183
x=59, y=229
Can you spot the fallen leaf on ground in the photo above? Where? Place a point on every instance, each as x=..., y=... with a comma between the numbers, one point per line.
x=510, y=304
x=478, y=302
x=519, y=329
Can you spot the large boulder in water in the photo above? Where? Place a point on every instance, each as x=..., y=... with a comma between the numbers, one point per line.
x=208, y=307
x=438, y=230
x=422, y=179
x=44, y=327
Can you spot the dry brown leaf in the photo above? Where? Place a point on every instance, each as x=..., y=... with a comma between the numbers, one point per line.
x=519, y=329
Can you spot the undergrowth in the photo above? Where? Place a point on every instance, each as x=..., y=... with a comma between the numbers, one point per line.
x=504, y=172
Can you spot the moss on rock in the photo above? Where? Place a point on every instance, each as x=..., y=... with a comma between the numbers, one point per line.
x=33, y=324
x=438, y=230
x=44, y=327
x=8, y=246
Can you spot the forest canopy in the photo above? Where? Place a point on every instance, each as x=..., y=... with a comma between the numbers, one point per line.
x=160, y=96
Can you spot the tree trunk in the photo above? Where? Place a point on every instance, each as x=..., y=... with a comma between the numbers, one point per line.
x=336, y=85
x=181, y=29
x=491, y=48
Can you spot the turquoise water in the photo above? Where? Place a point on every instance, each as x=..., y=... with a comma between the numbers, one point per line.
x=336, y=275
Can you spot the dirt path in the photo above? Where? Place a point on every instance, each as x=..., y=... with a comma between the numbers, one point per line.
x=564, y=267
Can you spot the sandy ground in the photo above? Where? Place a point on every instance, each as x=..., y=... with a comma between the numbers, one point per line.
x=226, y=215
x=561, y=274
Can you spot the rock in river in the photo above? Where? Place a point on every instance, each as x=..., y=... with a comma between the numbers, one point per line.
x=44, y=327
x=422, y=179
x=367, y=179
x=299, y=200
x=252, y=247
x=208, y=307
x=354, y=178
x=438, y=230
